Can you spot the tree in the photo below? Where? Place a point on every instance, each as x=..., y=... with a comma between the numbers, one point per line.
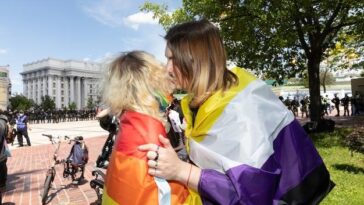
x=280, y=38
x=326, y=78
x=72, y=106
x=344, y=55
x=90, y=102
x=47, y=103
x=20, y=102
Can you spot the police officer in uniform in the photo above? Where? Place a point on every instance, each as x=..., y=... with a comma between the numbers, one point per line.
x=22, y=128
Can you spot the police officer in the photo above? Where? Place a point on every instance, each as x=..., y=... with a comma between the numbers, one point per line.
x=22, y=128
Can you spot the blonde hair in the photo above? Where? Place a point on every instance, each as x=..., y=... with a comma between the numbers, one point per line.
x=199, y=55
x=131, y=83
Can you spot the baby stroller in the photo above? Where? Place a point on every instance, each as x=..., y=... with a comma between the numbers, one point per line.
x=77, y=160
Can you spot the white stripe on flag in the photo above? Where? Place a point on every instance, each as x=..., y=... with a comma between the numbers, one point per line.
x=164, y=191
x=244, y=132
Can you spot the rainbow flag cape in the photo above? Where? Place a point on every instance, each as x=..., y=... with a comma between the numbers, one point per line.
x=252, y=150
x=127, y=180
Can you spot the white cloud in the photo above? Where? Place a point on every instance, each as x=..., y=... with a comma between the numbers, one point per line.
x=136, y=19
x=105, y=58
x=104, y=17
x=3, y=51
x=114, y=13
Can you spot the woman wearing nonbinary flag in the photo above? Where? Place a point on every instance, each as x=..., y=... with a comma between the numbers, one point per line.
x=246, y=147
x=133, y=90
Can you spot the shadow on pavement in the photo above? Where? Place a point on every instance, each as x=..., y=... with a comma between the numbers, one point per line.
x=14, y=179
x=64, y=187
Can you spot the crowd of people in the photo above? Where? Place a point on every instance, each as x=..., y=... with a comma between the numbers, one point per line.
x=351, y=106
x=36, y=116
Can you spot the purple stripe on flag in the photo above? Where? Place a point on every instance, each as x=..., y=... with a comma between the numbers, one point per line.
x=296, y=156
x=241, y=185
x=293, y=159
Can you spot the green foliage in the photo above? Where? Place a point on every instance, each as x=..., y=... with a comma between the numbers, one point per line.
x=90, y=103
x=346, y=171
x=355, y=140
x=47, y=103
x=72, y=106
x=362, y=74
x=345, y=54
x=280, y=38
x=20, y=102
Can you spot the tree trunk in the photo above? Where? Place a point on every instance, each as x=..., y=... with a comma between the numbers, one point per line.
x=313, y=67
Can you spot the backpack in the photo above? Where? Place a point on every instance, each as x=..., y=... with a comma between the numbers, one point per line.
x=79, y=153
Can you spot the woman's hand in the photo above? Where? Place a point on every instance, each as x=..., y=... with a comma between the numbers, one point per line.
x=163, y=161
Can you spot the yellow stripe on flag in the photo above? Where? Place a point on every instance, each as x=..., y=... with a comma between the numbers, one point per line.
x=212, y=108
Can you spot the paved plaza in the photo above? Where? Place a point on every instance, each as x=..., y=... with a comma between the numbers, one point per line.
x=28, y=166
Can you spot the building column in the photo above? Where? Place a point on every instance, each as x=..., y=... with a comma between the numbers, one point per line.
x=34, y=96
x=25, y=88
x=44, y=85
x=85, y=94
x=39, y=79
x=58, y=92
x=65, y=91
x=50, y=86
x=72, y=90
x=78, y=92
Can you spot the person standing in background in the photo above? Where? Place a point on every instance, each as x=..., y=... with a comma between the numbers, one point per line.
x=336, y=101
x=345, y=102
x=22, y=128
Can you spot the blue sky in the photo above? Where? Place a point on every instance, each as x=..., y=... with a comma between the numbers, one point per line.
x=90, y=30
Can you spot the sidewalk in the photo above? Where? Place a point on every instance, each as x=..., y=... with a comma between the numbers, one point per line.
x=86, y=129
x=28, y=165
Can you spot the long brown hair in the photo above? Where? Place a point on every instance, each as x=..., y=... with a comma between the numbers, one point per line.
x=199, y=54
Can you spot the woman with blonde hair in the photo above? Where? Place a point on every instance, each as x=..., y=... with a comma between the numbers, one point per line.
x=135, y=89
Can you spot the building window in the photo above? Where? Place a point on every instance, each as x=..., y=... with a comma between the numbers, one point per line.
x=62, y=92
x=62, y=85
x=62, y=99
x=54, y=92
x=54, y=84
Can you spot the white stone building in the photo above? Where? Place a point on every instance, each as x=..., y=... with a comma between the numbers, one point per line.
x=65, y=81
x=5, y=87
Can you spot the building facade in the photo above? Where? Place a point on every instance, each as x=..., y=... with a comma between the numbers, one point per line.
x=5, y=87
x=65, y=81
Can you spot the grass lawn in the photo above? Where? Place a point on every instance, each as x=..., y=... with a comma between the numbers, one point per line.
x=346, y=171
